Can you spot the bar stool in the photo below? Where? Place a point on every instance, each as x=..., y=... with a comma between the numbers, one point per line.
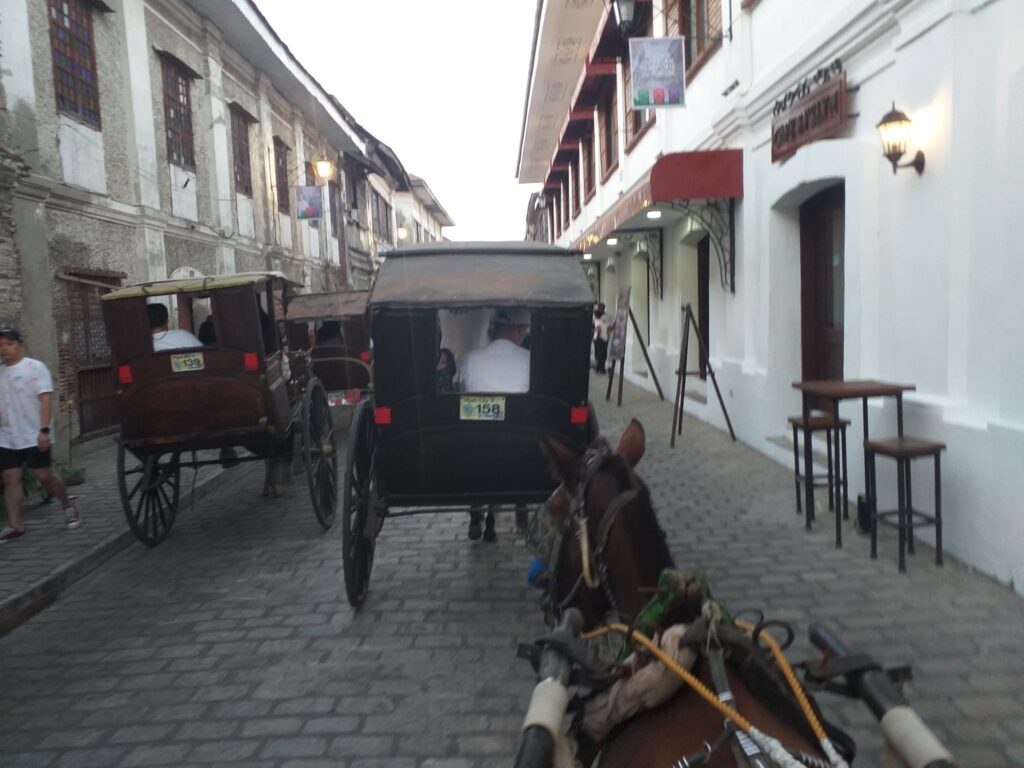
x=820, y=422
x=904, y=450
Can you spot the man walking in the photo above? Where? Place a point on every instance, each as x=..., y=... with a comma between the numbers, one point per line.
x=26, y=424
x=601, y=328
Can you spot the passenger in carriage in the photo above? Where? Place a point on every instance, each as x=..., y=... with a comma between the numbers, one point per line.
x=164, y=339
x=329, y=334
x=207, y=334
x=503, y=365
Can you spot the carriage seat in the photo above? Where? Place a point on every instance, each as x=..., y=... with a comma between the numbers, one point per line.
x=339, y=374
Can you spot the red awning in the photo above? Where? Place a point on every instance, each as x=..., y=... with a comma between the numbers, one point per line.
x=703, y=175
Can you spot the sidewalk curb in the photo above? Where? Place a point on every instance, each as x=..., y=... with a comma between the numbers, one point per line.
x=22, y=606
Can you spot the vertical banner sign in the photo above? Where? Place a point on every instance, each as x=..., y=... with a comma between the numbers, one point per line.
x=309, y=203
x=658, y=72
x=617, y=342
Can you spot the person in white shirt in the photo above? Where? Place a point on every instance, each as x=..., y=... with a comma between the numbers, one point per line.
x=164, y=339
x=503, y=365
x=26, y=432
x=601, y=329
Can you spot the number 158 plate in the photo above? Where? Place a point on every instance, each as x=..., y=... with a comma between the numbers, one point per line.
x=482, y=408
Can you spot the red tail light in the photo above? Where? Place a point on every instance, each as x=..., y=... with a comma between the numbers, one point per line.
x=578, y=415
x=382, y=416
x=251, y=362
x=124, y=374
x=364, y=356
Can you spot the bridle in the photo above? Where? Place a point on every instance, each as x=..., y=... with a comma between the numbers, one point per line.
x=593, y=461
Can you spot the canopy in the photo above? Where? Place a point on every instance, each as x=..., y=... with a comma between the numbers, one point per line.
x=196, y=284
x=327, y=306
x=481, y=274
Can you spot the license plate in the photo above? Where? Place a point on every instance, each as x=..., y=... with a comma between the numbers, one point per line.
x=187, y=361
x=482, y=408
x=344, y=397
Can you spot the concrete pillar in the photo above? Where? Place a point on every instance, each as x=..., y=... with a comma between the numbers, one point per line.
x=222, y=188
x=265, y=141
x=142, y=133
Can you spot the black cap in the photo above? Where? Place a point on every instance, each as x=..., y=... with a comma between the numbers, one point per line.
x=9, y=332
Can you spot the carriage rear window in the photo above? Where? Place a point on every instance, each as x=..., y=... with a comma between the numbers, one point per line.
x=483, y=350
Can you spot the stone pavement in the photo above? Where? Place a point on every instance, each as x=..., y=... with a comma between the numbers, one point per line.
x=34, y=569
x=232, y=644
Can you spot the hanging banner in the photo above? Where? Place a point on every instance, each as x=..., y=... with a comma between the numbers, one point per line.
x=309, y=203
x=658, y=72
x=617, y=340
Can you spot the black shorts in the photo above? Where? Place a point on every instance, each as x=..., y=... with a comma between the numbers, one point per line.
x=16, y=458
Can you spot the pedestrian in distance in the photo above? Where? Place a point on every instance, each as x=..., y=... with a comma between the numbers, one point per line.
x=601, y=331
x=26, y=432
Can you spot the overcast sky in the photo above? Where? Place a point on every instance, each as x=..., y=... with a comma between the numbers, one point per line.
x=442, y=82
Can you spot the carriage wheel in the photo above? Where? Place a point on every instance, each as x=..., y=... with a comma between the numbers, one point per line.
x=149, y=493
x=319, y=452
x=360, y=484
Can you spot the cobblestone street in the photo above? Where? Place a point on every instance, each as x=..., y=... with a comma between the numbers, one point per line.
x=232, y=643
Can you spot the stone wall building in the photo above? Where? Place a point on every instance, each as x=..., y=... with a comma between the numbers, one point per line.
x=165, y=138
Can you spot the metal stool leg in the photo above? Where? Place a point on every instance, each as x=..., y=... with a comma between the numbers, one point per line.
x=910, y=511
x=872, y=506
x=796, y=472
x=938, y=512
x=901, y=514
x=846, y=489
x=831, y=491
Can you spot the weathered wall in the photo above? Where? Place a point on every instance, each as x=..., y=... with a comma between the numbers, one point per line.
x=182, y=252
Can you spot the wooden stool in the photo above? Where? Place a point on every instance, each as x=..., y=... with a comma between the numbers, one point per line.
x=904, y=450
x=819, y=422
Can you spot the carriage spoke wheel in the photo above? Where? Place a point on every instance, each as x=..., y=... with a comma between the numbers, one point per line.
x=319, y=452
x=359, y=494
x=150, y=488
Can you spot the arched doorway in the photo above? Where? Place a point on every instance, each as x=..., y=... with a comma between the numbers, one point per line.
x=822, y=283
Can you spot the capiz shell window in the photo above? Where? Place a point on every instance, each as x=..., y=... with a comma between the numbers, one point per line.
x=177, y=79
x=75, y=84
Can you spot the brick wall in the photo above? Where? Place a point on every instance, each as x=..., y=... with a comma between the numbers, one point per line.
x=11, y=170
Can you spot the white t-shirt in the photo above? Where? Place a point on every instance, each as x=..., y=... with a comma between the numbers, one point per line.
x=20, y=387
x=501, y=366
x=175, y=338
x=601, y=327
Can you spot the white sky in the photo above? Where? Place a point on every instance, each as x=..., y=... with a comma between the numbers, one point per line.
x=441, y=82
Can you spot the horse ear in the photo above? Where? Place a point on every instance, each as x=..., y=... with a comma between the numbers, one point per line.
x=633, y=443
x=561, y=461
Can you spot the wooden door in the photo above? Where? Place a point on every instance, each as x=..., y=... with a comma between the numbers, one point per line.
x=822, y=281
x=93, y=387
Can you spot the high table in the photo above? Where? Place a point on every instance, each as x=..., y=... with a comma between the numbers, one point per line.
x=835, y=390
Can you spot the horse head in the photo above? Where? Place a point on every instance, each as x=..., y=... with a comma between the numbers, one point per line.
x=612, y=548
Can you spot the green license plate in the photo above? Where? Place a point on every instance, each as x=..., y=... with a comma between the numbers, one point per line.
x=187, y=361
x=482, y=408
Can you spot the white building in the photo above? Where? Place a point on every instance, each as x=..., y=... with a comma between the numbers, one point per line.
x=421, y=217
x=834, y=265
x=145, y=139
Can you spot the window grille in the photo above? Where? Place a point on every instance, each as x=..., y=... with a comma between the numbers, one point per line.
x=607, y=110
x=240, y=151
x=587, y=155
x=699, y=22
x=281, y=174
x=178, y=113
x=75, y=84
x=574, y=175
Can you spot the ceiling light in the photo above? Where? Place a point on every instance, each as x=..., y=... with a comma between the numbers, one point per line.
x=655, y=214
x=612, y=241
x=588, y=256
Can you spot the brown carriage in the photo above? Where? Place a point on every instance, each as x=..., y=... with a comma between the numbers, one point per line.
x=238, y=389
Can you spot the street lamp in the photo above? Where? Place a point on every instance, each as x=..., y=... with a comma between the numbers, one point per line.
x=625, y=12
x=324, y=168
x=894, y=129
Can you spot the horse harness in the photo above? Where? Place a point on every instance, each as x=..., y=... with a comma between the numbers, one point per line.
x=577, y=523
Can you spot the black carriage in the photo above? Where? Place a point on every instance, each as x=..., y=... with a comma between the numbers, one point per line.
x=229, y=387
x=329, y=334
x=423, y=443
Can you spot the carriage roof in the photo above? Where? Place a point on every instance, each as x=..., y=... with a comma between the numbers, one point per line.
x=327, y=306
x=481, y=274
x=196, y=284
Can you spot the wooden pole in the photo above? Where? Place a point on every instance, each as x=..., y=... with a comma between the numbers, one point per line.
x=647, y=357
x=677, y=403
x=683, y=360
x=611, y=379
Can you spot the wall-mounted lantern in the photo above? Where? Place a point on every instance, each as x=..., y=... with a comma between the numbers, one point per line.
x=323, y=167
x=625, y=14
x=894, y=129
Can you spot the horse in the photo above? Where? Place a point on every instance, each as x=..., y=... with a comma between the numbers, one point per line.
x=617, y=535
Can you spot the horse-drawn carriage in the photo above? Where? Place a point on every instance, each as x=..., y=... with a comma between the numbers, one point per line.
x=332, y=331
x=428, y=440
x=232, y=386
